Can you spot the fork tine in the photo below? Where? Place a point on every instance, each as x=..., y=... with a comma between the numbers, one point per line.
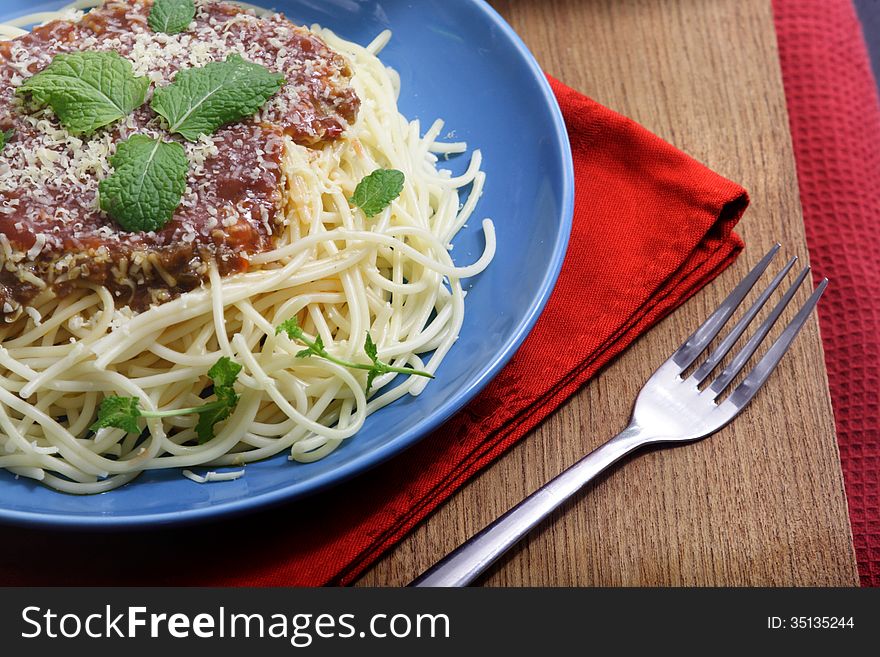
x=727, y=344
x=739, y=361
x=744, y=392
x=685, y=356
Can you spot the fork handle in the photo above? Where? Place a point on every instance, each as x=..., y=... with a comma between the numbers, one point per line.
x=464, y=564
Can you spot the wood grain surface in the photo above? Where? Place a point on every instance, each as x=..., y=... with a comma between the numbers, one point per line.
x=760, y=503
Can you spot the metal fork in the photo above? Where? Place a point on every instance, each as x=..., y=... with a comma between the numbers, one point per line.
x=669, y=409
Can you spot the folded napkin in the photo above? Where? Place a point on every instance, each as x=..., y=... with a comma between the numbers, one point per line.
x=651, y=227
x=835, y=130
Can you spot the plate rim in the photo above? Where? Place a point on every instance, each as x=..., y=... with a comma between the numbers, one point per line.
x=361, y=464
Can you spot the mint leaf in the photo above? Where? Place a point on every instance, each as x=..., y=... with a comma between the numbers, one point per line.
x=373, y=354
x=371, y=376
x=119, y=412
x=370, y=349
x=200, y=100
x=87, y=90
x=227, y=396
x=211, y=414
x=316, y=348
x=375, y=192
x=171, y=16
x=147, y=183
x=224, y=372
x=207, y=419
x=291, y=328
x=5, y=136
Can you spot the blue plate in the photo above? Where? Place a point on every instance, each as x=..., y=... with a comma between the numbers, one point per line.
x=461, y=62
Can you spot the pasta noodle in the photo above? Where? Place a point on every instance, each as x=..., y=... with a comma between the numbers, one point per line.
x=342, y=275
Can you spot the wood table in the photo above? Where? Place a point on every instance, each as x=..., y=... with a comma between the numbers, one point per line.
x=761, y=503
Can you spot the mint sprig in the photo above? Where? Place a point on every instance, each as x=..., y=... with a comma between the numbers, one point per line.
x=316, y=348
x=376, y=191
x=124, y=412
x=200, y=100
x=87, y=90
x=147, y=183
x=171, y=16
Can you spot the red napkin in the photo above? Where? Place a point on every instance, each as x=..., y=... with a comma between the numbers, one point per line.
x=835, y=129
x=651, y=227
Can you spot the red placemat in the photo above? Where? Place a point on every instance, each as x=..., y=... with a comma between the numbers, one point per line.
x=835, y=129
x=651, y=227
